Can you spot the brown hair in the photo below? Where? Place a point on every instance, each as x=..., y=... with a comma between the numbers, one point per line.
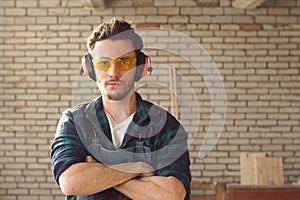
x=114, y=29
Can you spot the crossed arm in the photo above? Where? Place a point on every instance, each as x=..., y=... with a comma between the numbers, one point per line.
x=153, y=187
x=135, y=180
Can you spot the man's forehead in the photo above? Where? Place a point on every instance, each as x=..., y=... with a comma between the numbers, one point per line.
x=113, y=48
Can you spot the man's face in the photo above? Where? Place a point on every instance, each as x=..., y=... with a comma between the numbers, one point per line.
x=114, y=82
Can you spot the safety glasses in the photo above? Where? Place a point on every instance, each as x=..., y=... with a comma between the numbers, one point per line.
x=123, y=64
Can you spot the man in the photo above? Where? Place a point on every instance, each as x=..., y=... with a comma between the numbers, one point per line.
x=119, y=146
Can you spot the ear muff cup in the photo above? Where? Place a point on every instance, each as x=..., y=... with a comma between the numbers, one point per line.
x=87, y=67
x=143, y=65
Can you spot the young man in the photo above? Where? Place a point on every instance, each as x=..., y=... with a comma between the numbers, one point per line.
x=119, y=146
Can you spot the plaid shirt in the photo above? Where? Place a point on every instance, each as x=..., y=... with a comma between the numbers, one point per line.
x=160, y=131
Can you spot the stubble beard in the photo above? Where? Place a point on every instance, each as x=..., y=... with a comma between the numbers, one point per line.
x=119, y=95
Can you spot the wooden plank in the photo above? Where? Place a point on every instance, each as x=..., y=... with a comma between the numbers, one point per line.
x=247, y=164
x=296, y=183
x=269, y=171
x=173, y=92
x=247, y=4
x=208, y=191
x=195, y=185
x=220, y=191
x=92, y=4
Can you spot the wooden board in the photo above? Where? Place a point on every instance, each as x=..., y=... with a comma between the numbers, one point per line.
x=248, y=167
x=244, y=192
x=297, y=183
x=269, y=171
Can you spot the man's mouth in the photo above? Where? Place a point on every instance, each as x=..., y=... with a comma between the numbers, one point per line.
x=113, y=83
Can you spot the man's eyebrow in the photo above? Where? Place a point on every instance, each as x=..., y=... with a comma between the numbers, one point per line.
x=128, y=56
x=125, y=57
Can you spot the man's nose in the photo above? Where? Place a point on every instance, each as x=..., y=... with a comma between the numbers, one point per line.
x=114, y=71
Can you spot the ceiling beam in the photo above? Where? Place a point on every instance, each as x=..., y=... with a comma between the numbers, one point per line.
x=247, y=4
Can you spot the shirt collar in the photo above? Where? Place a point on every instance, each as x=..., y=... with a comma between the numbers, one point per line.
x=95, y=113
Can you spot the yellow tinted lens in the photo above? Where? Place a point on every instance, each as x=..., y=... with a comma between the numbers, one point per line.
x=104, y=64
x=125, y=63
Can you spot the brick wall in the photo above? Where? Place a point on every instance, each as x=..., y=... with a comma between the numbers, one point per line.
x=256, y=52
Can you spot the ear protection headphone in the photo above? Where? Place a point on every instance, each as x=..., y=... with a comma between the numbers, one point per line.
x=143, y=65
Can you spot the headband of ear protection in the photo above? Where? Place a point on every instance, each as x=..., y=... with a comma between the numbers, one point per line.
x=143, y=65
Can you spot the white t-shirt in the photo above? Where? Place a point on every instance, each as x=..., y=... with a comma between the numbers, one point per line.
x=118, y=130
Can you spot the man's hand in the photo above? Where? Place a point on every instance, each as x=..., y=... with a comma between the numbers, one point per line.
x=140, y=168
x=100, y=177
x=90, y=159
x=153, y=187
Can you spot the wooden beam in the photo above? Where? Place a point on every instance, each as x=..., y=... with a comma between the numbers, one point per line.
x=93, y=4
x=247, y=4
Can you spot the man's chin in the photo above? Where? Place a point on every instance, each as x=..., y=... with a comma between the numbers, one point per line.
x=118, y=94
x=117, y=97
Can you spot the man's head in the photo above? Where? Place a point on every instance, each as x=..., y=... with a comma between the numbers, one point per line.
x=114, y=29
x=114, y=55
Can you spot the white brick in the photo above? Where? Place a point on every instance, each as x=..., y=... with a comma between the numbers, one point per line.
x=46, y=20
x=37, y=12
x=15, y=11
x=164, y=3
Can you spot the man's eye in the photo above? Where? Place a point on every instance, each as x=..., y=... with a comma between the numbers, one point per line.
x=124, y=61
x=104, y=62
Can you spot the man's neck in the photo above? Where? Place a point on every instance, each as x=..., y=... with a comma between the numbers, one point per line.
x=122, y=109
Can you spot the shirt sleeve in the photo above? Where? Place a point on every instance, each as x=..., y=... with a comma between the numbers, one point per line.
x=173, y=159
x=181, y=170
x=67, y=148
